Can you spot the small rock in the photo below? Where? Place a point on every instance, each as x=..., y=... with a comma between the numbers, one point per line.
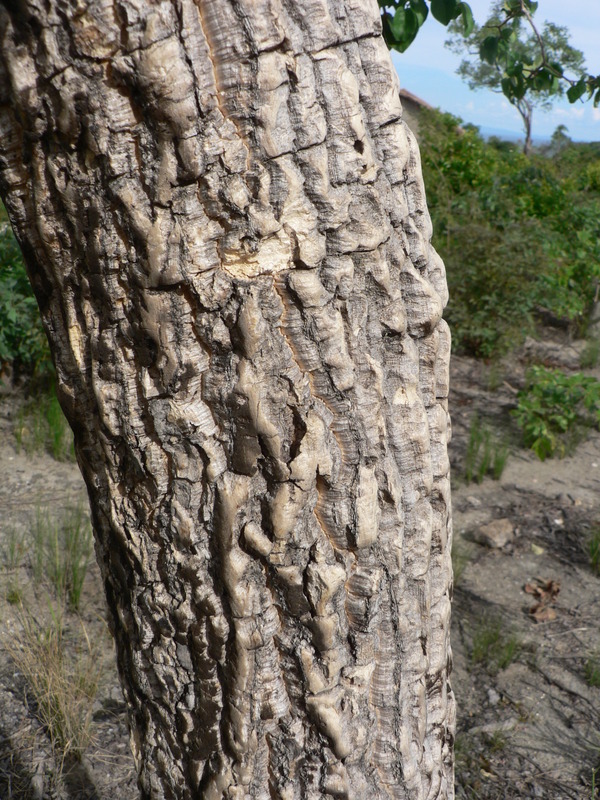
x=496, y=727
x=493, y=697
x=473, y=501
x=36, y=786
x=116, y=694
x=495, y=534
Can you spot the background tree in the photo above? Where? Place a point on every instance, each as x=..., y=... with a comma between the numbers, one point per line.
x=509, y=56
x=224, y=221
x=509, y=53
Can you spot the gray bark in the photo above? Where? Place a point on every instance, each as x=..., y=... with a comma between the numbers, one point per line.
x=224, y=221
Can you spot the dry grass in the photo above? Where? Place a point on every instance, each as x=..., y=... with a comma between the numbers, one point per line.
x=61, y=670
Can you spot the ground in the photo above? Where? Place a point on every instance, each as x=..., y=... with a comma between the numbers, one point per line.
x=527, y=690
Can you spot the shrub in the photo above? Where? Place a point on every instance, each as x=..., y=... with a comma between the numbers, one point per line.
x=23, y=343
x=519, y=235
x=554, y=404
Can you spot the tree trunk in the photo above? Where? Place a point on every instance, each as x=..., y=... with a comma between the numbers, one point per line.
x=525, y=109
x=224, y=221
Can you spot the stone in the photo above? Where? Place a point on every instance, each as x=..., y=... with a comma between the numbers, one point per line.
x=493, y=697
x=495, y=534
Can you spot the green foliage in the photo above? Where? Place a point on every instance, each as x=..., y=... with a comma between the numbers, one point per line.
x=509, y=54
x=22, y=341
x=519, y=235
x=552, y=405
x=402, y=19
x=486, y=453
x=493, y=647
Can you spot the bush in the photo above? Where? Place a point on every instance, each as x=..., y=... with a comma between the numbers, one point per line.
x=554, y=404
x=519, y=235
x=23, y=343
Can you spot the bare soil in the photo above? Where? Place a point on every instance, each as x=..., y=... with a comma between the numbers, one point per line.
x=528, y=727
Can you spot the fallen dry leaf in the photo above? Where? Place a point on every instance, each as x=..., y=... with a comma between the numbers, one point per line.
x=545, y=592
x=542, y=613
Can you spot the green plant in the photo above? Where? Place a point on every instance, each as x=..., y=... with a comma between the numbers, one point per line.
x=41, y=426
x=554, y=404
x=519, y=236
x=492, y=646
x=486, y=454
x=496, y=742
x=590, y=354
x=592, y=671
x=594, y=550
x=22, y=340
x=461, y=555
x=13, y=550
x=62, y=674
x=62, y=552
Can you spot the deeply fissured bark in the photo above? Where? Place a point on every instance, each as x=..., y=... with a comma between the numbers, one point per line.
x=223, y=217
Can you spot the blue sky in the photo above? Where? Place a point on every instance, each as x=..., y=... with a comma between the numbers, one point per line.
x=428, y=69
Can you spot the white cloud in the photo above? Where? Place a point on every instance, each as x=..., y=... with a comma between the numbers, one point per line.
x=596, y=114
x=567, y=113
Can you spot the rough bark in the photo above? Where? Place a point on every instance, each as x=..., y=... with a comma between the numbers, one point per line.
x=224, y=221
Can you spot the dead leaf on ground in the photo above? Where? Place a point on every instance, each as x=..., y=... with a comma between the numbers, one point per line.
x=545, y=592
x=542, y=613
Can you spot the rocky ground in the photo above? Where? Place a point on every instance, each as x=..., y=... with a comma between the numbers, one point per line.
x=528, y=718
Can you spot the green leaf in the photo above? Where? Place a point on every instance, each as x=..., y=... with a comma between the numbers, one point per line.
x=420, y=9
x=488, y=49
x=576, y=91
x=444, y=10
x=404, y=27
x=467, y=18
x=543, y=81
x=557, y=68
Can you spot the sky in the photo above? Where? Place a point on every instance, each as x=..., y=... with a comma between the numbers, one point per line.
x=428, y=69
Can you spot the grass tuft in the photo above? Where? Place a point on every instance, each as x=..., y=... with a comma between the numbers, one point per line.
x=461, y=555
x=42, y=427
x=62, y=674
x=590, y=354
x=493, y=647
x=486, y=453
x=594, y=550
x=591, y=670
x=62, y=552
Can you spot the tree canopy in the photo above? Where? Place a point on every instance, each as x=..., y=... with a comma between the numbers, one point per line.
x=504, y=55
x=534, y=64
